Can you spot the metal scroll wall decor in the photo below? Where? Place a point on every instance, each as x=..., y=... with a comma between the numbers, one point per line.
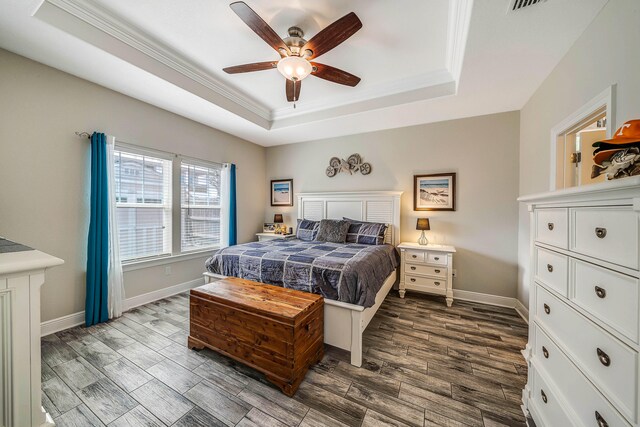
x=353, y=164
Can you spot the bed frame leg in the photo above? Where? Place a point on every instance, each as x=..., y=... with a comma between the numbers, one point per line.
x=356, y=338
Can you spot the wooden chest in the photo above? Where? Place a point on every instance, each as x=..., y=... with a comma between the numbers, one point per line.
x=274, y=330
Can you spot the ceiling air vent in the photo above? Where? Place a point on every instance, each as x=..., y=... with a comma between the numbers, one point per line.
x=516, y=5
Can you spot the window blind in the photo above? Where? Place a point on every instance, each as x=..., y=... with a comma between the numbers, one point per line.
x=200, y=188
x=143, y=203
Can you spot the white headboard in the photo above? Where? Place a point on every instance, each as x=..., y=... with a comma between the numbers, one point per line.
x=372, y=206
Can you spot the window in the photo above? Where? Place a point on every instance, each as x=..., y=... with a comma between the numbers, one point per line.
x=143, y=203
x=199, y=205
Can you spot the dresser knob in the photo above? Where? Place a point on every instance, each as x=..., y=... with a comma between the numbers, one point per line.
x=436, y=283
x=601, y=232
x=412, y=279
x=600, y=292
x=545, y=352
x=547, y=309
x=437, y=258
x=600, y=420
x=550, y=268
x=550, y=225
x=437, y=271
x=544, y=396
x=413, y=268
x=414, y=256
x=604, y=357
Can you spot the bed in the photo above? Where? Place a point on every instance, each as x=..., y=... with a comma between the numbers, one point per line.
x=353, y=278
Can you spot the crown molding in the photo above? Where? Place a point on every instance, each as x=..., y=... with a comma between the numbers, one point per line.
x=458, y=31
x=92, y=23
x=96, y=17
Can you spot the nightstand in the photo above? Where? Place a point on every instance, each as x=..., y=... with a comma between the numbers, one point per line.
x=262, y=237
x=426, y=268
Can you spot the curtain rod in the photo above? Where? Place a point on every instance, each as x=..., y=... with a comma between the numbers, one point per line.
x=88, y=136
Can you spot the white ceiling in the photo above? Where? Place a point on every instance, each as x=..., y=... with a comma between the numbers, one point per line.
x=412, y=59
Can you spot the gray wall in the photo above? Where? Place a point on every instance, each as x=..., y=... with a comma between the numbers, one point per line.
x=44, y=171
x=606, y=53
x=483, y=151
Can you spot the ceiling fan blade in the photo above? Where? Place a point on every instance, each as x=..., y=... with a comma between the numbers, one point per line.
x=247, y=68
x=333, y=74
x=291, y=96
x=260, y=27
x=333, y=35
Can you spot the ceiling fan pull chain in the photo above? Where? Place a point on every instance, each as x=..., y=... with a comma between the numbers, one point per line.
x=294, y=94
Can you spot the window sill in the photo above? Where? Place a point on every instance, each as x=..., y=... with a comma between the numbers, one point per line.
x=154, y=262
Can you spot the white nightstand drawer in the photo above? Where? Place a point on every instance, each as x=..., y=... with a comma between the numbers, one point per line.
x=552, y=227
x=552, y=269
x=610, y=296
x=550, y=411
x=610, y=234
x=425, y=284
x=583, y=397
x=609, y=363
x=415, y=256
x=437, y=258
x=426, y=270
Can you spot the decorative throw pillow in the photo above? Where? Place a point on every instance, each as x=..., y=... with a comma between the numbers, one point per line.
x=366, y=233
x=333, y=230
x=307, y=230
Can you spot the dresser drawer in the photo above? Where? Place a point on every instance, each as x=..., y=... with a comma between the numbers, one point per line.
x=610, y=234
x=583, y=398
x=548, y=410
x=425, y=284
x=610, y=296
x=609, y=363
x=414, y=256
x=552, y=269
x=439, y=258
x=552, y=227
x=426, y=270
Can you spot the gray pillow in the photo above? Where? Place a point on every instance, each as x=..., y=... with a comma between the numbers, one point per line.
x=333, y=230
x=307, y=230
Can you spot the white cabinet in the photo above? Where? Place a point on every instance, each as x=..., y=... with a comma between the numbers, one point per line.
x=426, y=268
x=583, y=351
x=21, y=276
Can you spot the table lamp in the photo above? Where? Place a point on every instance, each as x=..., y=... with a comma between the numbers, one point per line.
x=277, y=218
x=423, y=224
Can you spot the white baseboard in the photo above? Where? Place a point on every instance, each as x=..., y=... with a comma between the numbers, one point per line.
x=496, y=300
x=522, y=310
x=69, y=321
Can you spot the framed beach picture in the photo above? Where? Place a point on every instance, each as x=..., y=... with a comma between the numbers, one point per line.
x=435, y=192
x=282, y=192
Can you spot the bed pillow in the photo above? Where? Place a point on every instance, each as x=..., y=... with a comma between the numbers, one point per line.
x=333, y=230
x=366, y=233
x=307, y=230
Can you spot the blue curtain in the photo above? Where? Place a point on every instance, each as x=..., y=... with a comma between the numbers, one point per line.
x=96, y=307
x=233, y=220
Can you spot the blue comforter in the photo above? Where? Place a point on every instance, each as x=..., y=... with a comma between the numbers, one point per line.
x=346, y=272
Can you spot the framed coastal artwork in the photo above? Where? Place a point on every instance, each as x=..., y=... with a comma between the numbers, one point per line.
x=282, y=192
x=435, y=192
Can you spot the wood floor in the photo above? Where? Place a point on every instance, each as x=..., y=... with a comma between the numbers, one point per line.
x=425, y=365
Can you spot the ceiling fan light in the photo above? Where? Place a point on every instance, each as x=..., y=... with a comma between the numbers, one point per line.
x=294, y=67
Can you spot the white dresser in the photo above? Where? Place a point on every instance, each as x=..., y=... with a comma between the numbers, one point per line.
x=21, y=276
x=584, y=298
x=426, y=268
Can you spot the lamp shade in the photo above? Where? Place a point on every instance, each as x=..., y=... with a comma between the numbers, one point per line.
x=277, y=218
x=423, y=224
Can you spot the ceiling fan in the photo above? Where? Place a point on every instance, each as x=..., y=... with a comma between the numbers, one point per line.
x=296, y=53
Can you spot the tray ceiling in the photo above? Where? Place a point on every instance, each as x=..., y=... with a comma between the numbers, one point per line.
x=420, y=60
